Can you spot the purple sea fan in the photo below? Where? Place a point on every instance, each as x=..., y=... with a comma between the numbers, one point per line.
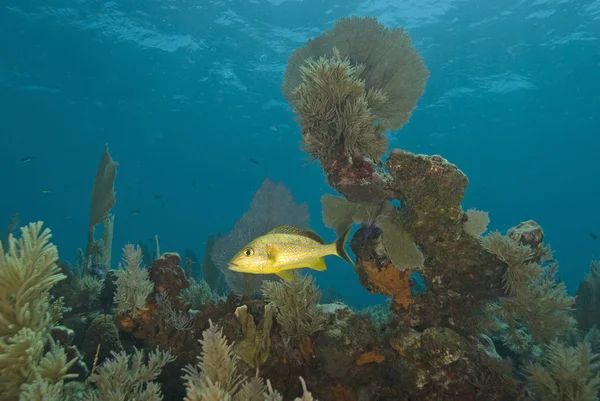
x=272, y=206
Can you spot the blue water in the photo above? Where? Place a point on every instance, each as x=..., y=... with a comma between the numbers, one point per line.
x=185, y=92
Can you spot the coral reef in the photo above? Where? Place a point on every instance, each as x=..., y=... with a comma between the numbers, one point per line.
x=460, y=302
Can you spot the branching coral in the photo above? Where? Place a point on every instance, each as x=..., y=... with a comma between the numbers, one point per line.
x=216, y=366
x=133, y=284
x=534, y=299
x=296, y=302
x=216, y=376
x=126, y=377
x=180, y=320
x=567, y=374
x=334, y=109
x=199, y=293
x=28, y=271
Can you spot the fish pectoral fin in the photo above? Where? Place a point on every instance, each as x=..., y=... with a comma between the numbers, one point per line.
x=288, y=276
x=272, y=254
x=319, y=265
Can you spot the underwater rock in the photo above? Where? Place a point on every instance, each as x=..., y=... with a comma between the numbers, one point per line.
x=359, y=179
x=377, y=273
x=102, y=338
x=531, y=234
x=442, y=345
x=169, y=277
x=440, y=364
x=459, y=277
x=431, y=186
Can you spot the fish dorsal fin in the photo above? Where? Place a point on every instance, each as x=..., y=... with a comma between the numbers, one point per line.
x=298, y=231
x=285, y=275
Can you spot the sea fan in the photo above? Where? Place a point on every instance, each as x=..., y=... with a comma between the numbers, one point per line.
x=272, y=206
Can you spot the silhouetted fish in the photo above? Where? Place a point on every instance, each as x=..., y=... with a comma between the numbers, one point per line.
x=254, y=161
x=135, y=212
x=46, y=191
x=27, y=159
x=157, y=196
x=594, y=236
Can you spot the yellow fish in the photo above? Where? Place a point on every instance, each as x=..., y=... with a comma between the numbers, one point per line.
x=287, y=248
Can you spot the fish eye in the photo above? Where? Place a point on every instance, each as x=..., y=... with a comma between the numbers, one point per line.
x=248, y=251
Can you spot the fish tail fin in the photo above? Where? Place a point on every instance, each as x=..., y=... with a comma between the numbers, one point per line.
x=340, y=246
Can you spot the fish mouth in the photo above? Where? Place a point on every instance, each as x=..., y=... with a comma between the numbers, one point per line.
x=234, y=268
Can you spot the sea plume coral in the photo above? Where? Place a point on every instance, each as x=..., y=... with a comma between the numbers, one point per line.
x=133, y=284
x=127, y=377
x=216, y=377
x=566, y=374
x=296, y=302
x=272, y=206
x=534, y=299
x=28, y=271
x=334, y=109
x=216, y=366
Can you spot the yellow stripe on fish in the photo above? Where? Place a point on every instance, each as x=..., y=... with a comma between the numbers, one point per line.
x=287, y=248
